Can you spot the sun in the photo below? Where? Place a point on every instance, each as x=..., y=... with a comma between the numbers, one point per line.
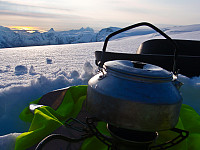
x=29, y=29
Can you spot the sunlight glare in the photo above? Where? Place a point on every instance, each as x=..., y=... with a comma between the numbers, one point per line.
x=29, y=29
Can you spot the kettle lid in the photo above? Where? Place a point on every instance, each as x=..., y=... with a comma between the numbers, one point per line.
x=138, y=70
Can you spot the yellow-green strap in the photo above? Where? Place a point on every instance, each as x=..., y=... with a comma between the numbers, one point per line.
x=44, y=123
x=45, y=119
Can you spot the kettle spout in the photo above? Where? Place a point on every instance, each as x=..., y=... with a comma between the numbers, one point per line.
x=177, y=84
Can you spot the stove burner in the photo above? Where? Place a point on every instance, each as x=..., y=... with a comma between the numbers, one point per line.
x=132, y=135
x=129, y=139
x=125, y=139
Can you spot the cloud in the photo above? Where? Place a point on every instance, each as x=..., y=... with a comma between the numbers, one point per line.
x=45, y=17
x=14, y=5
x=33, y=11
x=24, y=14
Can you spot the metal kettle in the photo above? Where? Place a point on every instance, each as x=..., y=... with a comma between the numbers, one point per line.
x=134, y=95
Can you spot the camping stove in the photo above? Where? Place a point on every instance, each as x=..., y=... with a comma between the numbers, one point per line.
x=126, y=139
x=119, y=139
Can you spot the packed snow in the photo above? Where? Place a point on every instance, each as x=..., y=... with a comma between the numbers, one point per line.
x=27, y=73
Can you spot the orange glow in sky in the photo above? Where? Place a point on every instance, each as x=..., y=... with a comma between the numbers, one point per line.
x=27, y=28
x=64, y=15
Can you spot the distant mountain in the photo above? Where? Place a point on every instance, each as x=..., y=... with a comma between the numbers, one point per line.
x=51, y=30
x=103, y=33
x=10, y=38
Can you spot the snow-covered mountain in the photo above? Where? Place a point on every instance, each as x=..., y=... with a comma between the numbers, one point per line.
x=9, y=38
x=104, y=32
x=20, y=38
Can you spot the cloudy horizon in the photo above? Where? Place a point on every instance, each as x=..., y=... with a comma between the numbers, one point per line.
x=65, y=14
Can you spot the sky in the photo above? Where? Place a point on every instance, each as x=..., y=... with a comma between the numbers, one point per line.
x=74, y=14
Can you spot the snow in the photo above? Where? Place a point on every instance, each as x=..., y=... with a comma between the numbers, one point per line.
x=27, y=73
x=49, y=61
x=7, y=142
x=20, y=70
x=32, y=71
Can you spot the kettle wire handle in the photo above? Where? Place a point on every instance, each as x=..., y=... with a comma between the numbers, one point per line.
x=175, y=70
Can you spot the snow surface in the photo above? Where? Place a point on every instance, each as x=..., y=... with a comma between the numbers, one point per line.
x=7, y=142
x=27, y=73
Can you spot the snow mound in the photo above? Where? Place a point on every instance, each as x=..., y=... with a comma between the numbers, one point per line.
x=88, y=71
x=74, y=74
x=49, y=61
x=15, y=98
x=32, y=71
x=21, y=70
x=7, y=142
x=190, y=91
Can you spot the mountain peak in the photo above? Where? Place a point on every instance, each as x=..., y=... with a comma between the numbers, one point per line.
x=51, y=30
